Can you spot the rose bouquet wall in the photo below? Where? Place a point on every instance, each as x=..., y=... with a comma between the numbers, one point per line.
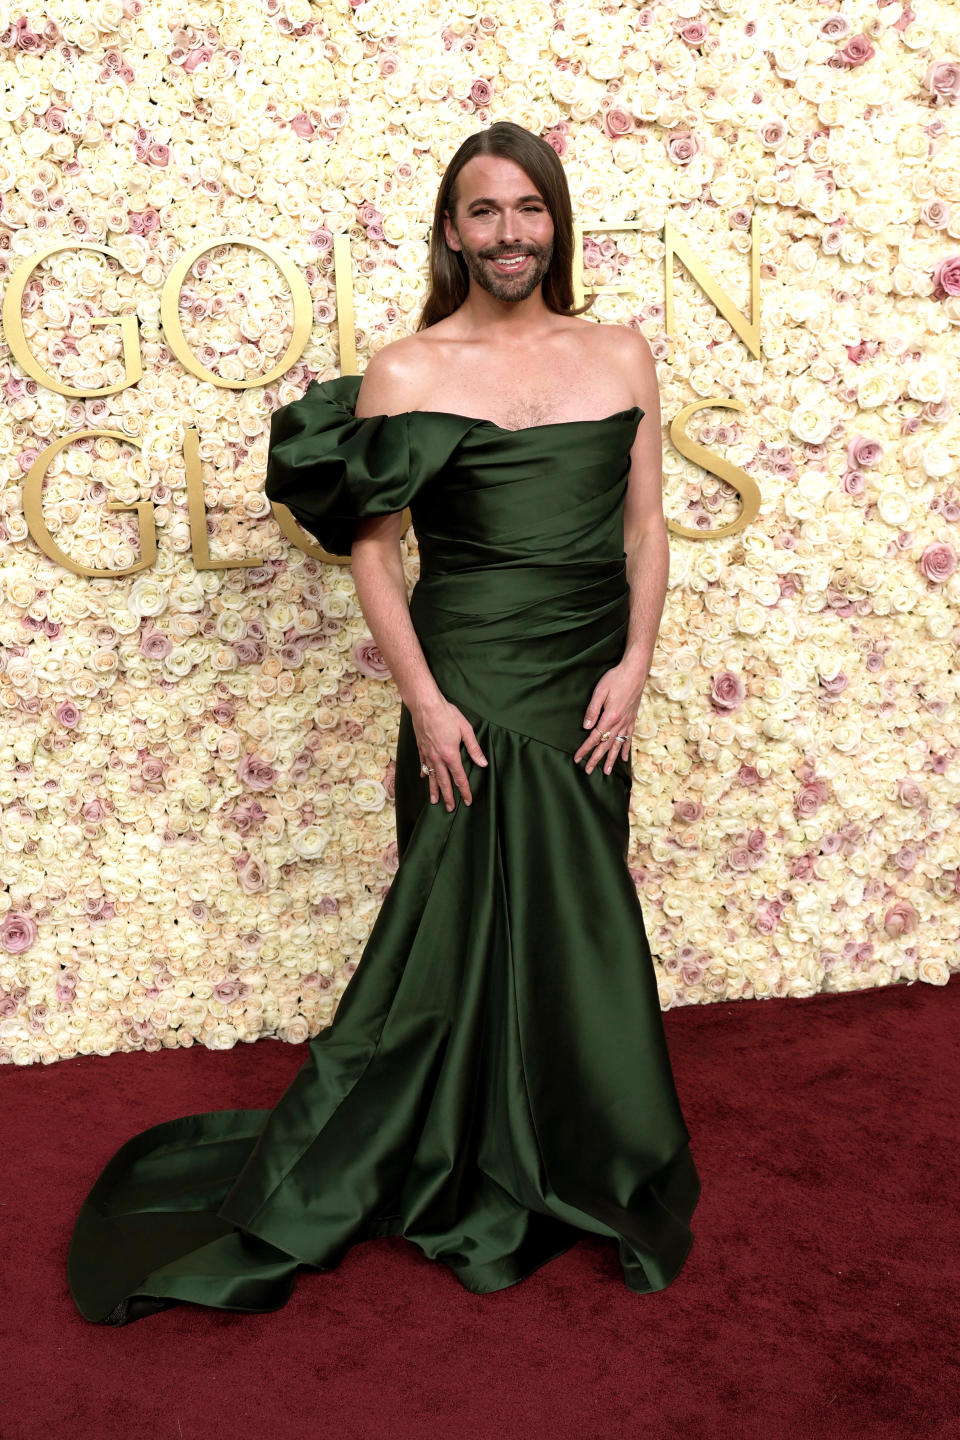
x=196, y=758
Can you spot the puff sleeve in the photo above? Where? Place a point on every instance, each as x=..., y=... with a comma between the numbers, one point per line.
x=332, y=469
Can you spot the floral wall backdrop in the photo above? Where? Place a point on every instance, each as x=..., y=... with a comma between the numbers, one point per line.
x=196, y=764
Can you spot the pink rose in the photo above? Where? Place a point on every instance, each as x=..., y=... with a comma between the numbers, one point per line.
x=158, y=155
x=727, y=691
x=617, y=122
x=773, y=133
x=68, y=714
x=369, y=660
x=685, y=812
x=254, y=771
x=934, y=212
x=857, y=51
x=391, y=858
x=910, y=792
x=17, y=933
x=251, y=874
x=942, y=79
x=303, y=126
x=481, y=92
x=946, y=275
x=694, y=32
x=767, y=920
x=835, y=685
x=900, y=919
x=682, y=146
x=200, y=56
x=155, y=644
x=248, y=652
x=809, y=798
x=862, y=452
x=938, y=561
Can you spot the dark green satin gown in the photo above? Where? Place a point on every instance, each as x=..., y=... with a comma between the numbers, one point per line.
x=496, y=1082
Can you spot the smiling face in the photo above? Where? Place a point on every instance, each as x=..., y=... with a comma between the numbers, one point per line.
x=502, y=227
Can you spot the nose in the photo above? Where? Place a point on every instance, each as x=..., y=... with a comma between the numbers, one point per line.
x=508, y=230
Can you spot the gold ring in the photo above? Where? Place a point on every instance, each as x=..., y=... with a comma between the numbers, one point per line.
x=604, y=734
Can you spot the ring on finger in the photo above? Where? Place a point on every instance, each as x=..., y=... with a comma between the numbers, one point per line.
x=623, y=737
x=426, y=769
x=604, y=734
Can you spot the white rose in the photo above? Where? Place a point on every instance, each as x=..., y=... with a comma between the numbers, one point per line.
x=369, y=795
x=927, y=382
x=311, y=841
x=146, y=597
x=221, y=1037
x=939, y=625
x=937, y=461
x=750, y=618
x=811, y=424
x=893, y=508
x=846, y=737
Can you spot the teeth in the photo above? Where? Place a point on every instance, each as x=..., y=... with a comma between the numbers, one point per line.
x=514, y=262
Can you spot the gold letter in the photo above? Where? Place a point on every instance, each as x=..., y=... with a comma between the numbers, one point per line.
x=33, y=510
x=291, y=528
x=16, y=336
x=197, y=510
x=748, y=330
x=346, y=326
x=170, y=312
x=744, y=484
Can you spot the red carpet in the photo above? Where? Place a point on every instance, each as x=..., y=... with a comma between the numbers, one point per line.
x=820, y=1298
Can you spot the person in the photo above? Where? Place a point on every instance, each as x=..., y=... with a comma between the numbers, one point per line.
x=495, y=1083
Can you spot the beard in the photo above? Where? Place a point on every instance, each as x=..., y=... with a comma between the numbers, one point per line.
x=508, y=287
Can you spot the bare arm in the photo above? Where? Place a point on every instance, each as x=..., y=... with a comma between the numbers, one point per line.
x=616, y=699
x=377, y=568
x=644, y=529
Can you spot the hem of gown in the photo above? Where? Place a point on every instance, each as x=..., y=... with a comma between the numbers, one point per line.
x=501, y=1272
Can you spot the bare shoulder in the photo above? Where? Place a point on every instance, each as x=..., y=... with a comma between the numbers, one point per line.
x=630, y=351
x=394, y=378
x=622, y=340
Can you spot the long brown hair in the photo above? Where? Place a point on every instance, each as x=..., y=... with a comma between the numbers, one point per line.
x=449, y=277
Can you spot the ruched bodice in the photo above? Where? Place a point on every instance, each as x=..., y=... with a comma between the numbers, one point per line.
x=520, y=534
x=495, y=1082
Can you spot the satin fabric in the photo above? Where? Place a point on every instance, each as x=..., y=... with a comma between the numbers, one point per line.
x=496, y=1082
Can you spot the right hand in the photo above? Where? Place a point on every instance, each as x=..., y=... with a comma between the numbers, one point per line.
x=441, y=729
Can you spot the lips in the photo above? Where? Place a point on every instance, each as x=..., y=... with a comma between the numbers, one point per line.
x=502, y=262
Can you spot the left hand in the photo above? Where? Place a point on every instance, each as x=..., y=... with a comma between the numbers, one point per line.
x=612, y=712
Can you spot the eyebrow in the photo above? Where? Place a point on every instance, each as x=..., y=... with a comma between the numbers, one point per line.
x=486, y=200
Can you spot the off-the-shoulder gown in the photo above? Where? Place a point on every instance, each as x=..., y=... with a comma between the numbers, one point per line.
x=495, y=1082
